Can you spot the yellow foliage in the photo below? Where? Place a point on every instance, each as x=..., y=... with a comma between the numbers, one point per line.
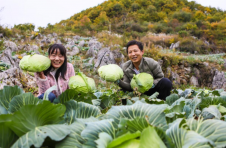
x=150, y=26
x=214, y=25
x=186, y=9
x=172, y=40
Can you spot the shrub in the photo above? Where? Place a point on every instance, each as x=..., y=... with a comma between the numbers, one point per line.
x=182, y=16
x=183, y=33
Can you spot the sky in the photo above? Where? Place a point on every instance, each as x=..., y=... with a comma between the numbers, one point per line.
x=42, y=12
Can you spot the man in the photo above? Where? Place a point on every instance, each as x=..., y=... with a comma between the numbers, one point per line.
x=139, y=64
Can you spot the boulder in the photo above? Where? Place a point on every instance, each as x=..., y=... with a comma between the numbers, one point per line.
x=104, y=57
x=1, y=35
x=74, y=51
x=81, y=43
x=11, y=45
x=54, y=34
x=194, y=81
x=174, y=46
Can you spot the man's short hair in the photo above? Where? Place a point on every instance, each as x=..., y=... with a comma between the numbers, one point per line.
x=134, y=42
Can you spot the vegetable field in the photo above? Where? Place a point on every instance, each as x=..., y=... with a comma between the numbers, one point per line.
x=187, y=119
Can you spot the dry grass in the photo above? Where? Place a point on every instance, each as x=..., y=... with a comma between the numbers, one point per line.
x=160, y=39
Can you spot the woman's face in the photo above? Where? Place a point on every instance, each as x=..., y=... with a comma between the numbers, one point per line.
x=56, y=58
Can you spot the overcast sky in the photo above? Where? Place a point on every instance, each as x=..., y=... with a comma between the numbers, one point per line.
x=42, y=12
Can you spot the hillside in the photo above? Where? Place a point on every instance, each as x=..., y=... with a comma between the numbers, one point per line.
x=137, y=17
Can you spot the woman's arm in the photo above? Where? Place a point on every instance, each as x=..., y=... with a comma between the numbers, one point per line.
x=42, y=82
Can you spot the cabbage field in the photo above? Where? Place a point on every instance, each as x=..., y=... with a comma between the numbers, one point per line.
x=109, y=118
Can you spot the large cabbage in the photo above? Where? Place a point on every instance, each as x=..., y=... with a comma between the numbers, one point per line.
x=111, y=72
x=81, y=83
x=142, y=81
x=35, y=63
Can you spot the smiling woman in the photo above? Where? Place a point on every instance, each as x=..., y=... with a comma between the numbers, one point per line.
x=57, y=74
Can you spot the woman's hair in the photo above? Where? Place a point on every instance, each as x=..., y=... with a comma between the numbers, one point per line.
x=63, y=67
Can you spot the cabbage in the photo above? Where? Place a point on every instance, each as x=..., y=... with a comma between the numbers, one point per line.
x=142, y=81
x=35, y=63
x=111, y=72
x=81, y=83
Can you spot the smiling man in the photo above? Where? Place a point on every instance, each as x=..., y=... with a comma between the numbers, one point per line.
x=139, y=64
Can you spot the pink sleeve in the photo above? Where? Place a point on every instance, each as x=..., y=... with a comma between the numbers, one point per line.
x=43, y=84
x=71, y=72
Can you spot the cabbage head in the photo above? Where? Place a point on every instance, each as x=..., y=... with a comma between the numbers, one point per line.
x=142, y=81
x=35, y=63
x=111, y=72
x=81, y=83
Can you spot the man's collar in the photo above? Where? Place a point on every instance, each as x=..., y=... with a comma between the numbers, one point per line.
x=131, y=66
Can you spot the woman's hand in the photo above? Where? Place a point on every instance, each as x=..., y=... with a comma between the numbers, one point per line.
x=41, y=75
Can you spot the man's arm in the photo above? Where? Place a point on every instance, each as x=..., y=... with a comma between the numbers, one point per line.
x=125, y=84
x=157, y=72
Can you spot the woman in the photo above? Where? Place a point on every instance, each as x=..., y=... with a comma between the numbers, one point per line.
x=57, y=74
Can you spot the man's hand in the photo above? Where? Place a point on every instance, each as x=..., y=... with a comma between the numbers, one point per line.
x=41, y=75
x=153, y=86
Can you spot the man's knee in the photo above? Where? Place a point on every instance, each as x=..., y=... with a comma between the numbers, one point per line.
x=166, y=83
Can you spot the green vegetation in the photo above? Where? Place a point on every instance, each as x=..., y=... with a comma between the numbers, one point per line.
x=109, y=118
x=136, y=17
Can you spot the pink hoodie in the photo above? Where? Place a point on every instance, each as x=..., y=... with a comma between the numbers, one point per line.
x=44, y=84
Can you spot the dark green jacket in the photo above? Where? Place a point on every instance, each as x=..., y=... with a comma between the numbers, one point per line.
x=147, y=65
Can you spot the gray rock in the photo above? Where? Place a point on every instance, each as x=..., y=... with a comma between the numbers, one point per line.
x=81, y=43
x=91, y=52
x=188, y=69
x=58, y=41
x=194, y=81
x=104, y=57
x=218, y=80
x=74, y=51
x=159, y=47
x=175, y=78
x=174, y=46
x=11, y=45
x=54, y=34
x=6, y=57
x=49, y=35
x=1, y=35
x=207, y=43
x=53, y=40
x=21, y=47
x=76, y=37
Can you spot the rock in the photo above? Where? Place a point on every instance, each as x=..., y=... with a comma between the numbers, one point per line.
x=159, y=47
x=53, y=40
x=1, y=35
x=81, y=43
x=91, y=52
x=206, y=64
x=6, y=57
x=218, y=80
x=194, y=81
x=49, y=36
x=206, y=42
x=118, y=57
x=224, y=63
x=76, y=37
x=74, y=51
x=21, y=47
x=104, y=57
x=196, y=73
x=175, y=78
x=188, y=69
x=58, y=41
x=54, y=34
x=11, y=45
x=174, y=46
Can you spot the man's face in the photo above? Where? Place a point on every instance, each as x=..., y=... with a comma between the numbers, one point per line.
x=135, y=54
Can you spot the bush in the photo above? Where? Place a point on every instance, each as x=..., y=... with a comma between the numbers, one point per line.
x=183, y=33
x=188, y=45
x=6, y=31
x=182, y=16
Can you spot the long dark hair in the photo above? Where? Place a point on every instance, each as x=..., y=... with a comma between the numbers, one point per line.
x=63, y=67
